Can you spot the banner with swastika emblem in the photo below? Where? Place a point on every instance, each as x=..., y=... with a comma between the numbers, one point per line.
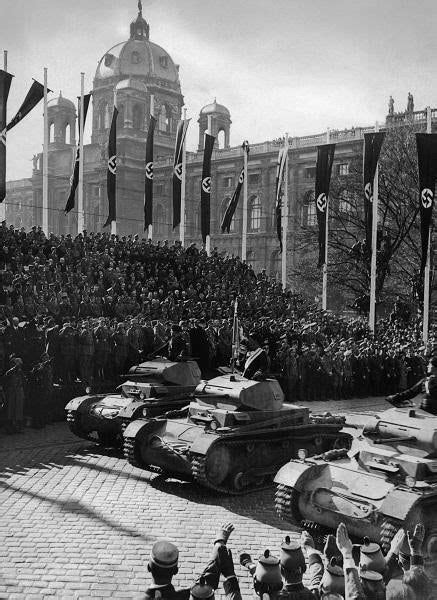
x=177, y=170
x=74, y=180
x=372, y=148
x=427, y=164
x=205, y=187
x=325, y=158
x=111, y=173
x=279, y=192
x=33, y=96
x=5, y=85
x=148, y=183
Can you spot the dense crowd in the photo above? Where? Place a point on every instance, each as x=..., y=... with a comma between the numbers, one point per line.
x=89, y=307
x=298, y=571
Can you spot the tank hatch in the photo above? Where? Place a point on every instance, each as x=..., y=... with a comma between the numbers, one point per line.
x=183, y=373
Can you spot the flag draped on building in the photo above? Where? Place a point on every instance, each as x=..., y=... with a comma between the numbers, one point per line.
x=34, y=95
x=177, y=170
x=111, y=174
x=74, y=179
x=205, y=187
x=280, y=171
x=372, y=148
x=325, y=157
x=148, y=183
x=427, y=163
x=5, y=85
x=232, y=205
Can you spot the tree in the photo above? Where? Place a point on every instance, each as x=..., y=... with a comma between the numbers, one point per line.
x=399, y=247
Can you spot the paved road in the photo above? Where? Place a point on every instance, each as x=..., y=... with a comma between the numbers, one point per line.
x=79, y=522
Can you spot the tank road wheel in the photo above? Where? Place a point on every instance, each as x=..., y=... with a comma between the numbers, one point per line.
x=74, y=423
x=287, y=504
x=389, y=527
x=217, y=464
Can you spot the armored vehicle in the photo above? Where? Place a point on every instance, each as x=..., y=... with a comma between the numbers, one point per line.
x=233, y=437
x=387, y=480
x=153, y=388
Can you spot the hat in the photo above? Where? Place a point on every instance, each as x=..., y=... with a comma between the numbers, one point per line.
x=292, y=557
x=201, y=590
x=369, y=575
x=333, y=579
x=164, y=554
x=268, y=571
x=371, y=557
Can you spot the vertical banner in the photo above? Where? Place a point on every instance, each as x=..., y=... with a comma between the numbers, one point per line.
x=427, y=163
x=325, y=158
x=148, y=183
x=111, y=174
x=232, y=205
x=74, y=179
x=34, y=95
x=372, y=148
x=205, y=187
x=5, y=85
x=177, y=171
x=280, y=170
x=235, y=337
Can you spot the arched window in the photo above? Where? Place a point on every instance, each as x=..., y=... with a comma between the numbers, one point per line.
x=51, y=132
x=138, y=116
x=222, y=214
x=164, y=121
x=66, y=133
x=159, y=218
x=255, y=213
x=309, y=215
x=221, y=138
x=120, y=117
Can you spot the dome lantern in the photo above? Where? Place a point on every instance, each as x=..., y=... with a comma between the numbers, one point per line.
x=139, y=29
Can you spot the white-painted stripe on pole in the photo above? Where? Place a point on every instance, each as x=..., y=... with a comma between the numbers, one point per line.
x=80, y=207
x=427, y=273
x=45, y=164
x=284, y=218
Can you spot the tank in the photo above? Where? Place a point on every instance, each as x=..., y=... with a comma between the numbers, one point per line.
x=232, y=438
x=153, y=388
x=388, y=479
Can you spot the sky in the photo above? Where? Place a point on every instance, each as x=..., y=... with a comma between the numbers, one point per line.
x=296, y=66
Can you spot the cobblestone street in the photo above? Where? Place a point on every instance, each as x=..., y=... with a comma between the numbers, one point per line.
x=78, y=522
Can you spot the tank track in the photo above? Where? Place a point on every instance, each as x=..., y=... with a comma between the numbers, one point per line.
x=286, y=504
x=75, y=427
x=198, y=466
x=129, y=451
x=389, y=527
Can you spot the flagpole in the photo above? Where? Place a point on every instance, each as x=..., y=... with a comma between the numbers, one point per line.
x=325, y=264
x=208, y=237
x=114, y=223
x=373, y=261
x=284, y=218
x=3, y=204
x=244, y=235
x=80, y=213
x=45, y=164
x=427, y=273
x=152, y=112
x=183, y=185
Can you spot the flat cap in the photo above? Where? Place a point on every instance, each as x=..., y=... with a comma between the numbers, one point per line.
x=164, y=554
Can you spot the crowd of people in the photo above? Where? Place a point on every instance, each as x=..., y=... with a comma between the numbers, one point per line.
x=86, y=308
x=299, y=571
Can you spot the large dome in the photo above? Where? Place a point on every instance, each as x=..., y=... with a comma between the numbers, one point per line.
x=138, y=57
x=215, y=108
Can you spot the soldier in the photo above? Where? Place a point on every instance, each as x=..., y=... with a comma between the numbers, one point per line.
x=177, y=347
x=426, y=386
x=121, y=347
x=86, y=353
x=41, y=389
x=101, y=350
x=67, y=352
x=14, y=389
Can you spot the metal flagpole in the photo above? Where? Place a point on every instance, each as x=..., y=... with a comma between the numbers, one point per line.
x=325, y=264
x=80, y=212
x=114, y=223
x=3, y=204
x=284, y=218
x=208, y=237
x=183, y=185
x=372, y=307
x=152, y=112
x=45, y=164
x=244, y=238
x=426, y=281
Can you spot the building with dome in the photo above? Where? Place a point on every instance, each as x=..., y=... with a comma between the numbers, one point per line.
x=133, y=72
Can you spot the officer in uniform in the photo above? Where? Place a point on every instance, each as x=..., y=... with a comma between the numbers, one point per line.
x=426, y=386
x=162, y=566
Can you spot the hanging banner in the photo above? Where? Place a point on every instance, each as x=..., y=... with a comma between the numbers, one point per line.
x=280, y=172
x=177, y=171
x=5, y=85
x=372, y=148
x=111, y=174
x=427, y=164
x=205, y=187
x=34, y=95
x=148, y=182
x=74, y=179
x=325, y=158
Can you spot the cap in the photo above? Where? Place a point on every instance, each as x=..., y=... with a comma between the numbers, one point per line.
x=371, y=557
x=267, y=570
x=201, y=590
x=333, y=579
x=164, y=554
x=369, y=575
x=292, y=558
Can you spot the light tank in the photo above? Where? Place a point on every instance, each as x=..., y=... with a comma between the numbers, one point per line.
x=386, y=481
x=233, y=437
x=153, y=387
